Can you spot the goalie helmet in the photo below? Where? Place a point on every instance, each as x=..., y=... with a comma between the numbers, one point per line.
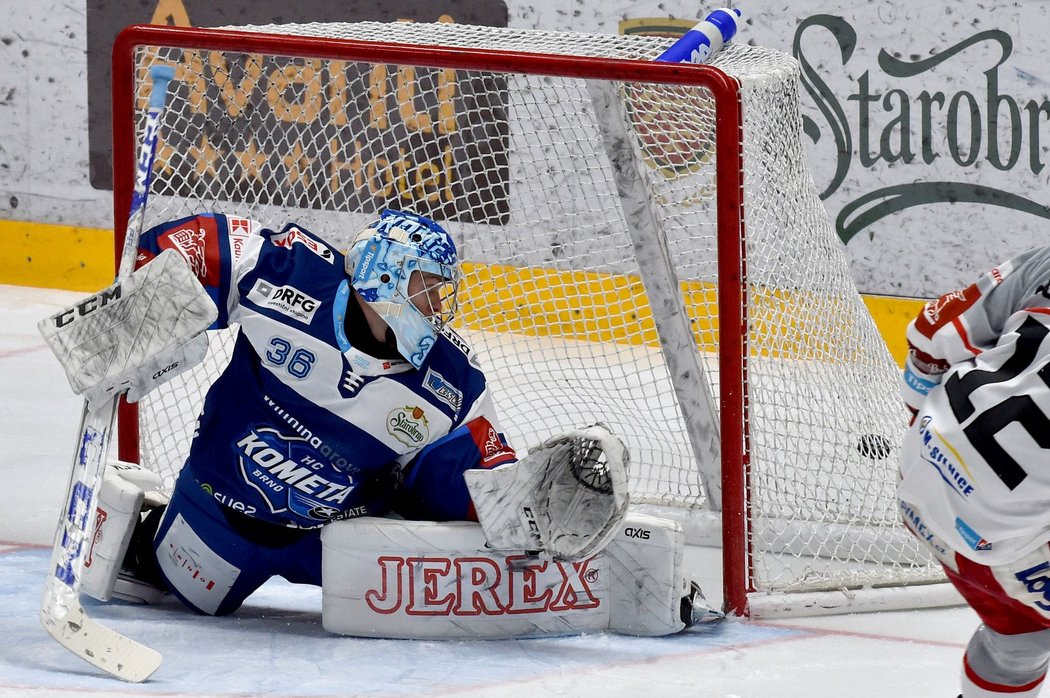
x=405, y=267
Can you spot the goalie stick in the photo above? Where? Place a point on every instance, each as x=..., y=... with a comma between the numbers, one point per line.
x=61, y=612
x=674, y=329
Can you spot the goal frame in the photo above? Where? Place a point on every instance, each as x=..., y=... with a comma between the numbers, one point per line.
x=737, y=572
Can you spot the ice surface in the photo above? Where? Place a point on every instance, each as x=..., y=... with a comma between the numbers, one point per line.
x=275, y=646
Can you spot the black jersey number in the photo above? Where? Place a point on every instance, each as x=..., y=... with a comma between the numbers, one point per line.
x=1017, y=408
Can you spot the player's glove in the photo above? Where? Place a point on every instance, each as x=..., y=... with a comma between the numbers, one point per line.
x=565, y=499
x=918, y=380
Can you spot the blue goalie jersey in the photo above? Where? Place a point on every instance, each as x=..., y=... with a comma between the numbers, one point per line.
x=304, y=427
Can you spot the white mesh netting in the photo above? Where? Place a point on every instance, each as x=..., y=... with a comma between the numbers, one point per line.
x=513, y=165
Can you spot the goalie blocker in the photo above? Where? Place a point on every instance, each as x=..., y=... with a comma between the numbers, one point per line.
x=135, y=335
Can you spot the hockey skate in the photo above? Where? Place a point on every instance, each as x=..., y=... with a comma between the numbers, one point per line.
x=138, y=580
x=696, y=610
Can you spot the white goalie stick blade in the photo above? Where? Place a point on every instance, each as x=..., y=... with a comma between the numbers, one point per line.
x=106, y=649
x=60, y=610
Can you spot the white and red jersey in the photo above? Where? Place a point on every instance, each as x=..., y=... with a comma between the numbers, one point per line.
x=975, y=465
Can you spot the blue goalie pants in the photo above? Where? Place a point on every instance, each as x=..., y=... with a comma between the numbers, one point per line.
x=212, y=557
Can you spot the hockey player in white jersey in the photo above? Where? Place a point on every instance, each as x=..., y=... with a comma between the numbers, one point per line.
x=975, y=465
x=348, y=397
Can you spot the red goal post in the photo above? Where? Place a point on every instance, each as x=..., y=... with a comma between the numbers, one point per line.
x=747, y=327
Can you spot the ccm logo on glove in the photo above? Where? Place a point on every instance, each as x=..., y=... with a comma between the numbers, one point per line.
x=88, y=305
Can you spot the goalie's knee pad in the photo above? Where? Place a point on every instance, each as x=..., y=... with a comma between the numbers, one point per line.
x=424, y=580
x=126, y=489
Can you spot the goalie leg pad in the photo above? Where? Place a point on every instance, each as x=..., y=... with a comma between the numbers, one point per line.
x=426, y=580
x=125, y=488
x=649, y=583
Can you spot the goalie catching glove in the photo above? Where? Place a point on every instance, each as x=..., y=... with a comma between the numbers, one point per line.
x=134, y=335
x=565, y=499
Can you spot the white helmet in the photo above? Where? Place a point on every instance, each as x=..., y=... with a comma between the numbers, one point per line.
x=381, y=262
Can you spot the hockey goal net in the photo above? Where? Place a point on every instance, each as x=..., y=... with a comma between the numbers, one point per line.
x=635, y=251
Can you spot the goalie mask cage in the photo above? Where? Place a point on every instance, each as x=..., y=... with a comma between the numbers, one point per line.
x=642, y=246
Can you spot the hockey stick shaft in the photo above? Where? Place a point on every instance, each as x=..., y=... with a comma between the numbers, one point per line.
x=656, y=266
x=162, y=75
x=705, y=39
x=61, y=612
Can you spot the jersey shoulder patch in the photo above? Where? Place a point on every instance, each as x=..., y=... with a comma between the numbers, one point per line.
x=293, y=235
x=943, y=310
x=241, y=231
x=451, y=375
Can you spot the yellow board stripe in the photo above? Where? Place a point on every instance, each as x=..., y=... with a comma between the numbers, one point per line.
x=534, y=301
x=892, y=315
x=531, y=301
x=56, y=256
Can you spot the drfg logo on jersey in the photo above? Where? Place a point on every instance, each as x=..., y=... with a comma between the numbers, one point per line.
x=476, y=585
x=286, y=300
